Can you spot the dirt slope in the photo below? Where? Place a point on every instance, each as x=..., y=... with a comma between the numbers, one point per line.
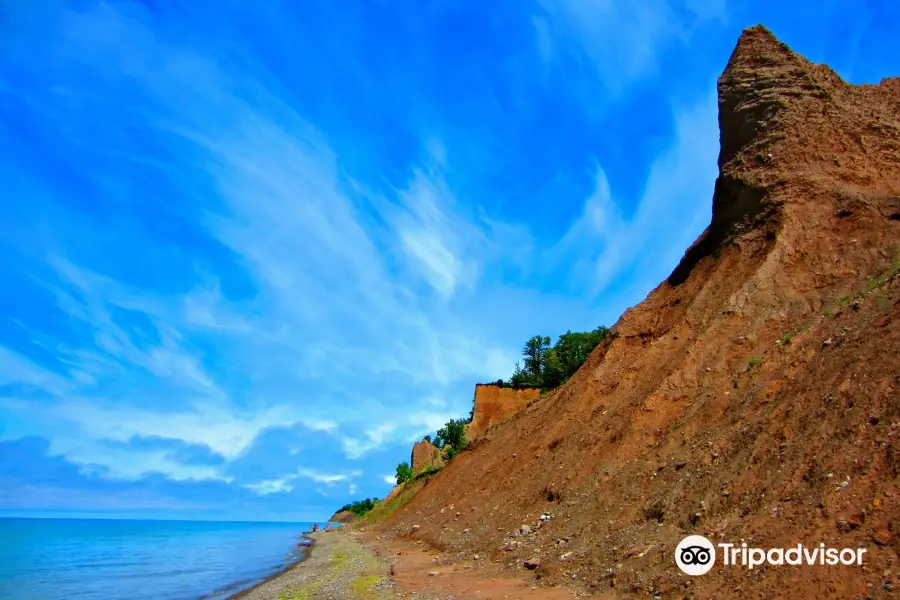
x=744, y=392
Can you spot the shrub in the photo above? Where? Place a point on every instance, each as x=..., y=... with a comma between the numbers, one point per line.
x=404, y=472
x=452, y=434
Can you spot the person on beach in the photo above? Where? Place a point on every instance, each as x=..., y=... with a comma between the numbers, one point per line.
x=315, y=527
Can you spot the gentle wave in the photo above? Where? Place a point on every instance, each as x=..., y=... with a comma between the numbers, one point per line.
x=55, y=559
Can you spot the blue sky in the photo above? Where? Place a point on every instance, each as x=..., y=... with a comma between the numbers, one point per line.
x=251, y=251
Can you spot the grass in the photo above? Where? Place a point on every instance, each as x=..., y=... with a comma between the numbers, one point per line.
x=877, y=282
x=386, y=509
x=363, y=587
x=429, y=470
x=340, y=559
x=303, y=593
x=754, y=362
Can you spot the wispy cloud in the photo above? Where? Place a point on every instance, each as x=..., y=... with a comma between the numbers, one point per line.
x=240, y=273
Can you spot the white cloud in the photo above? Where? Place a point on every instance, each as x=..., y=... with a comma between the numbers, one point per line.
x=673, y=210
x=272, y=486
x=391, y=479
x=326, y=478
x=17, y=369
x=622, y=40
x=342, y=288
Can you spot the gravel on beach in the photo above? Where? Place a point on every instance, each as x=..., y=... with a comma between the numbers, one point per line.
x=338, y=567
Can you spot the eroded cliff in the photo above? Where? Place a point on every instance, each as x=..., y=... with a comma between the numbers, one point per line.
x=752, y=396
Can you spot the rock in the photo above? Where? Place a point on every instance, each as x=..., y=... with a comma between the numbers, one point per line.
x=680, y=466
x=633, y=552
x=532, y=564
x=524, y=529
x=882, y=537
x=476, y=557
x=414, y=528
x=567, y=555
x=433, y=573
x=425, y=454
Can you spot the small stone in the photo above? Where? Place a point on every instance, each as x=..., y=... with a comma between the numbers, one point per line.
x=465, y=531
x=524, y=529
x=680, y=466
x=433, y=573
x=882, y=537
x=476, y=557
x=532, y=564
x=633, y=552
x=567, y=555
x=827, y=343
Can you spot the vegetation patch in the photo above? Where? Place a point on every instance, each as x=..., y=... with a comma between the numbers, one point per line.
x=361, y=507
x=364, y=586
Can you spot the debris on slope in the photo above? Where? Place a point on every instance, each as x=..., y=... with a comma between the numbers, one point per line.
x=753, y=396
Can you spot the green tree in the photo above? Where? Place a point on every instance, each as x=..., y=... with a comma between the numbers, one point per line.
x=549, y=367
x=404, y=472
x=534, y=353
x=452, y=434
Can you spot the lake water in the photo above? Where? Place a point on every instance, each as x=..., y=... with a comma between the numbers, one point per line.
x=55, y=559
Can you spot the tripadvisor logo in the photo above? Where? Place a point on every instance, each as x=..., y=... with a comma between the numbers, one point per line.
x=696, y=555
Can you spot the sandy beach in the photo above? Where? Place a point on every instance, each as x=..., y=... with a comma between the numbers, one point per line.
x=352, y=565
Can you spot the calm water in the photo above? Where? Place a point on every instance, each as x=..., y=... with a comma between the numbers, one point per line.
x=55, y=559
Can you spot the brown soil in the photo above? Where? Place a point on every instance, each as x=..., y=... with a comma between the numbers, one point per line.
x=425, y=454
x=753, y=396
x=343, y=516
x=425, y=572
x=494, y=404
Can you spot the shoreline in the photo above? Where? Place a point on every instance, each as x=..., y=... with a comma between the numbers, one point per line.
x=365, y=564
x=280, y=572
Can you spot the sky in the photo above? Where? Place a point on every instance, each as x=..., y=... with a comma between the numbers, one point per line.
x=251, y=251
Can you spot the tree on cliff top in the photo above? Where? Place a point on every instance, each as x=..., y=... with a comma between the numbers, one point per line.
x=452, y=434
x=548, y=367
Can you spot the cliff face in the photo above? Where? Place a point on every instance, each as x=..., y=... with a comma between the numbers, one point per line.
x=752, y=396
x=425, y=454
x=494, y=404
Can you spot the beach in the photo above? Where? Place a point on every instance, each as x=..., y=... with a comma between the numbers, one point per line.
x=335, y=566
x=346, y=564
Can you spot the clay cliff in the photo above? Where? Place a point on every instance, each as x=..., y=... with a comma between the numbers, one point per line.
x=494, y=404
x=425, y=454
x=753, y=395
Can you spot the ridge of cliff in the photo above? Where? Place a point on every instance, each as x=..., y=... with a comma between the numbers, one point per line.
x=753, y=395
